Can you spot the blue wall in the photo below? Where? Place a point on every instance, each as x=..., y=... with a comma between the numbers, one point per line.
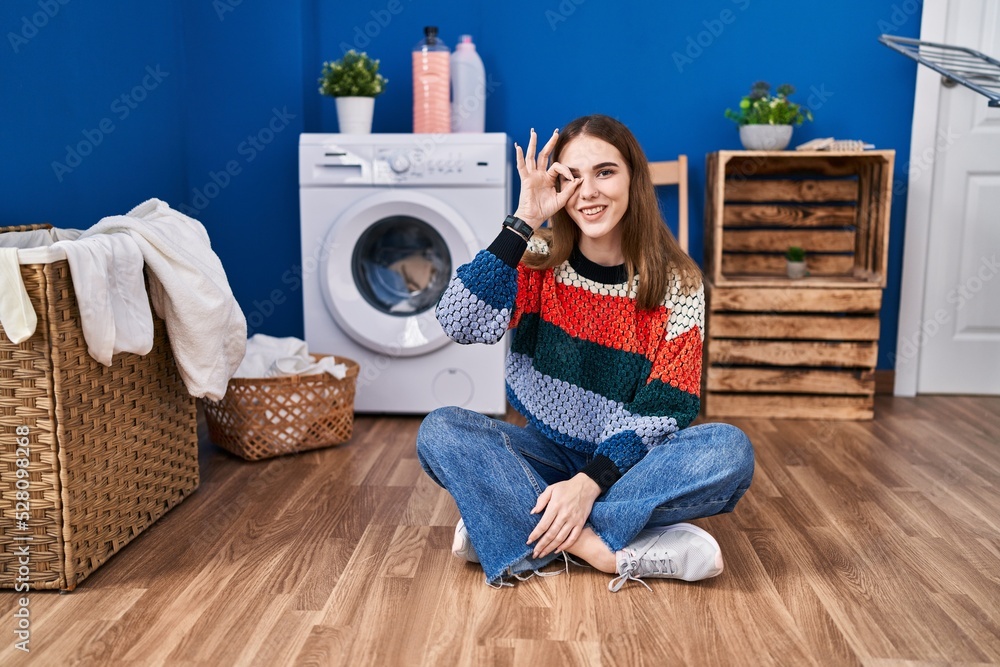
x=91, y=105
x=217, y=92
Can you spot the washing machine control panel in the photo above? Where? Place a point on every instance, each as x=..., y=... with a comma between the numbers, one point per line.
x=426, y=165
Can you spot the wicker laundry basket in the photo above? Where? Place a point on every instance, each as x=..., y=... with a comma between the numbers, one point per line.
x=267, y=417
x=96, y=453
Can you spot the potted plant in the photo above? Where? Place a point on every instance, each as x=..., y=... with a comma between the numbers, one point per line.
x=354, y=82
x=766, y=121
x=796, y=264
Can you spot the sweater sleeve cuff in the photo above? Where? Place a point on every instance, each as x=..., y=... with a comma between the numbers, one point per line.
x=508, y=247
x=603, y=471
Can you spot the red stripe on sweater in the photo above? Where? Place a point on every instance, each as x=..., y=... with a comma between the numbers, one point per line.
x=529, y=283
x=611, y=321
x=678, y=362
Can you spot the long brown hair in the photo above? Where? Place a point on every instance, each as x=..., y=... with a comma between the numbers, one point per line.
x=650, y=250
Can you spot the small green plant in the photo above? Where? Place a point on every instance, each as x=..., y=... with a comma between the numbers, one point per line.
x=796, y=254
x=354, y=75
x=761, y=108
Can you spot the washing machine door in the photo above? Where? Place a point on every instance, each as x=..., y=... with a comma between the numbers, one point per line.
x=385, y=263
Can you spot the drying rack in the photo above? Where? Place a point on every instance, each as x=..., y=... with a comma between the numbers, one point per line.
x=956, y=64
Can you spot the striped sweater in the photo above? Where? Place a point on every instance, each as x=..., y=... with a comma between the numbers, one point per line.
x=587, y=367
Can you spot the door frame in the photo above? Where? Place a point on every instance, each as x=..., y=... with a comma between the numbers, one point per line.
x=923, y=140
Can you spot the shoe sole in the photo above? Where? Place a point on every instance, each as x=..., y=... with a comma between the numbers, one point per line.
x=461, y=546
x=691, y=528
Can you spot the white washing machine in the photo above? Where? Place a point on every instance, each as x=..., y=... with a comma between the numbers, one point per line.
x=386, y=221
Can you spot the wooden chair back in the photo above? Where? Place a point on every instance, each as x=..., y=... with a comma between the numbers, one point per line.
x=675, y=172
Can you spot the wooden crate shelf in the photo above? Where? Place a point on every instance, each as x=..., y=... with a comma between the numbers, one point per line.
x=833, y=205
x=803, y=353
x=798, y=349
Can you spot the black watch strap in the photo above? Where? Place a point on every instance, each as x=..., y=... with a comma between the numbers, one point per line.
x=519, y=226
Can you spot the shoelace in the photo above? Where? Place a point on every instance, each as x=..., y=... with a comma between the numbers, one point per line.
x=564, y=570
x=521, y=576
x=665, y=565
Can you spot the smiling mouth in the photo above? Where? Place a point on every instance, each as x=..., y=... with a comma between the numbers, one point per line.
x=594, y=210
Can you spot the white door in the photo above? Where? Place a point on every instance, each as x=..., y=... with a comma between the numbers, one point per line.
x=959, y=336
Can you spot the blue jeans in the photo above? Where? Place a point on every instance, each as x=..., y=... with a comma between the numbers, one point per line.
x=495, y=471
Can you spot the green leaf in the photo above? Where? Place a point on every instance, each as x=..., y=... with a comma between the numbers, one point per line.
x=761, y=108
x=355, y=74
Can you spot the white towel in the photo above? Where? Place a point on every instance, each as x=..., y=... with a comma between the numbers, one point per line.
x=309, y=366
x=268, y=356
x=37, y=238
x=114, y=307
x=189, y=290
x=17, y=315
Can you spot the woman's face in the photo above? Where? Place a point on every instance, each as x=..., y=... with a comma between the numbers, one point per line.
x=601, y=200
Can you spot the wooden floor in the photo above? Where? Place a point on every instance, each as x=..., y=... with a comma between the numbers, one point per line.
x=871, y=543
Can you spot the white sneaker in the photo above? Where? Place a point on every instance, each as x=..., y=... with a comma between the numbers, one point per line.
x=462, y=545
x=680, y=551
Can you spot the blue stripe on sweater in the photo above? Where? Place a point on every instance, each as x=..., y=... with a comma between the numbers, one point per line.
x=490, y=280
x=580, y=419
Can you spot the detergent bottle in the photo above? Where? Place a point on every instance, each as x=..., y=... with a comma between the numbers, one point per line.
x=468, y=88
x=431, y=78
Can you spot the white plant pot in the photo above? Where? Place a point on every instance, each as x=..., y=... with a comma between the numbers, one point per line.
x=765, y=137
x=354, y=114
x=796, y=270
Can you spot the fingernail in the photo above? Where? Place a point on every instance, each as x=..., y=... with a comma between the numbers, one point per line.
x=532, y=130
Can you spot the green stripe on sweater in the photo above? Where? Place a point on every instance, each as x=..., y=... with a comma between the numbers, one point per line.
x=602, y=370
x=611, y=373
x=659, y=399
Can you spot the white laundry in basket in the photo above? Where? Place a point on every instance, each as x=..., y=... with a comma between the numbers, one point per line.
x=188, y=288
x=17, y=315
x=268, y=357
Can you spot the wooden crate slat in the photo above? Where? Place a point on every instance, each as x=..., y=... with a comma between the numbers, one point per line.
x=876, y=216
x=756, y=263
x=856, y=280
x=879, y=224
x=779, y=240
x=873, y=238
x=789, y=407
x=793, y=353
x=781, y=190
x=747, y=165
x=860, y=382
x=755, y=215
x=713, y=216
x=801, y=327
x=766, y=299
x=864, y=238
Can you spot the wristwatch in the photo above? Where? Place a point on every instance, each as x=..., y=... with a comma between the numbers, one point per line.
x=519, y=226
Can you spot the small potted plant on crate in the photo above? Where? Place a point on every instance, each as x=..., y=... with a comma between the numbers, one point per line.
x=354, y=82
x=796, y=262
x=766, y=120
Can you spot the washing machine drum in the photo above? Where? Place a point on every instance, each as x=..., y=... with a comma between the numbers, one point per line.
x=385, y=263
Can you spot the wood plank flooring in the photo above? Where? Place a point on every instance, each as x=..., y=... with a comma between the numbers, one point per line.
x=860, y=543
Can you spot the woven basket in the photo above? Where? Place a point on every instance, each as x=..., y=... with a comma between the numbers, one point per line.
x=262, y=418
x=111, y=448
